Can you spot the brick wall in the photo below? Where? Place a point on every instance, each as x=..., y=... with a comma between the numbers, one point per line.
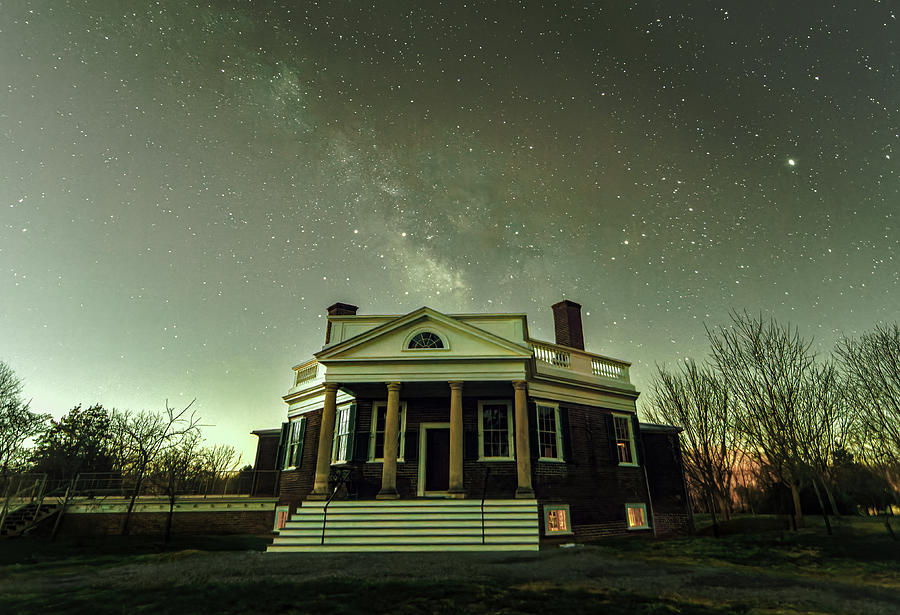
x=591, y=482
x=662, y=453
x=297, y=484
x=208, y=522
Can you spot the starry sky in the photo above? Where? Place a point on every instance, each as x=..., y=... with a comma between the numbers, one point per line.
x=185, y=187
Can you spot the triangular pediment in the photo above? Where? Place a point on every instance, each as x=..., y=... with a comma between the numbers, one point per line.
x=390, y=341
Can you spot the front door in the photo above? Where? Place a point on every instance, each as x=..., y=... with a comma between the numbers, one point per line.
x=437, y=459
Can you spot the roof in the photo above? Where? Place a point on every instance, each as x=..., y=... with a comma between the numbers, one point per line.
x=661, y=428
x=267, y=432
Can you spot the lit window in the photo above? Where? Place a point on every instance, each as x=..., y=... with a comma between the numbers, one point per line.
x=343, y=431
x=376, y=437
x=556, y=519
x=495, y=430
x=624, y=439
x=548, y=432
x=636, y=516
x=426, y=339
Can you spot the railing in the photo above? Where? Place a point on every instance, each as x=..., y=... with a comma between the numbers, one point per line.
x=553, y=356
x=204, y=483
x=608, y=368
x=580, y=362
x=306, y=372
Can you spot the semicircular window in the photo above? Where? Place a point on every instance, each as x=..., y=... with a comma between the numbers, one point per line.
x=426, y=339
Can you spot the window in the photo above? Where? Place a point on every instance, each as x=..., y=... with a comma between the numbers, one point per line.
x=636, y=517
x=425, y=340
x=343, y=434
x=495, y=436
x=556, y=519
x=376, y=438
x=282, y=516
x=624, y=440
x=548, y=433
x=294, y=449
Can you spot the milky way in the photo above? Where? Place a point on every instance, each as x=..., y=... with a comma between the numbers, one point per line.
x=184, y=189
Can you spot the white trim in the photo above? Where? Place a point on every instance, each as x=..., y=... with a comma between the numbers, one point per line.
x=509, y=429
x=423, y=454
x=370, y=454
x=643, y=507
x=550, y=507
x=559, y=441
x=634, y=462
x=429, y=329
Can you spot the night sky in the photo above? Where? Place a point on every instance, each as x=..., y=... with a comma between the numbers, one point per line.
x=184, y=189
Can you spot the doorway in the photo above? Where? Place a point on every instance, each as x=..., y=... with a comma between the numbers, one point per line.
x=434, y=459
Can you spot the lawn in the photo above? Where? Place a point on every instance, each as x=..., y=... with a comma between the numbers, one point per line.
x=754, y=571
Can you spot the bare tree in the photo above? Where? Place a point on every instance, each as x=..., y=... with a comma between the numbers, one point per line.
x=217, y=459
x=17, y=422
x=872, y=367
x=696, y=399
x=824, y=426
x=177, y=463
x=145, y=436
x=765, y=365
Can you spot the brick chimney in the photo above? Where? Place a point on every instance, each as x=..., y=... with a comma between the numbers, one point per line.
x=338, y=309
x=567, y=324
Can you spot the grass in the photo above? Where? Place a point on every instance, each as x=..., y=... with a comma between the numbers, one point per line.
x=765, y=571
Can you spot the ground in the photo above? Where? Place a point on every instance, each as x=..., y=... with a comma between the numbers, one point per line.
x=758, y=571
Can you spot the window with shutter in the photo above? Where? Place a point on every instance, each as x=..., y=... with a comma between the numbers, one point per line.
x=342, y=443
x=624, y=433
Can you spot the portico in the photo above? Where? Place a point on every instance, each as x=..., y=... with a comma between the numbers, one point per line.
x=440, y=456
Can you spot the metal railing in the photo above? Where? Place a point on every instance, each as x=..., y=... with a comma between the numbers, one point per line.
x=27, y=488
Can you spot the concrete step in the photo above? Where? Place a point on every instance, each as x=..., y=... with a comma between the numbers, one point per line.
x=289, y=548
x=420, y=503
x=412, y=525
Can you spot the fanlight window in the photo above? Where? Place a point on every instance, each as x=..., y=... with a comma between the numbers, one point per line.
x=426, y=339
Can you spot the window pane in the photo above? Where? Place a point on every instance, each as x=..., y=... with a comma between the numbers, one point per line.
x=547, y=432
x=495, y=430
x=636, y=517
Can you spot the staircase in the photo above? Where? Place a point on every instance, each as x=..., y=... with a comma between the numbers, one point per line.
x=25, y=517
x=411, y=525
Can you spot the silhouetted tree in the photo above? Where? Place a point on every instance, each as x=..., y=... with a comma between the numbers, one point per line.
x=78, y=442
x=765, y=367
x=695, y=399
x=145, y=436
x=17, y=422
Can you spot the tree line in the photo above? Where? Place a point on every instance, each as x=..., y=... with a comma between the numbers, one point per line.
x=132, y=453
x=770, y=426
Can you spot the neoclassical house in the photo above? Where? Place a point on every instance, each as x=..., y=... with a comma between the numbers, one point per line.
x=459, y=431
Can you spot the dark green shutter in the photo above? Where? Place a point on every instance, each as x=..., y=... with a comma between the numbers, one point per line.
x=351, y=438
x=470, y=444
x=411, y=445
x=533, y=443
x=298, y=457
x=280, y=460
x=566, y=435
x=638, y=443
x=361, y=446
x=611, y=432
